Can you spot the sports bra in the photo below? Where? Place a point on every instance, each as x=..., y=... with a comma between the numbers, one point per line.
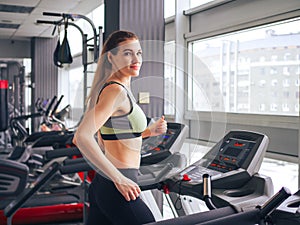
x=129, y=125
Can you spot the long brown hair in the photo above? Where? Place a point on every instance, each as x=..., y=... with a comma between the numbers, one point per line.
x=103, y=71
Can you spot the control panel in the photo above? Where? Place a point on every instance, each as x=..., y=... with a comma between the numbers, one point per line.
x=157, y=148
x=230, y=163
x=232, y=154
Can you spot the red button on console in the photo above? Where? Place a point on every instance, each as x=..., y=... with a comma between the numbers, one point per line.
x=186, y=177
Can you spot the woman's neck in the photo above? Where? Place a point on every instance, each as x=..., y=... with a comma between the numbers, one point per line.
x=121, y=79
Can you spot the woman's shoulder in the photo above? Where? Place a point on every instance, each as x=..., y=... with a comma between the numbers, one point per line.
x=114, y=89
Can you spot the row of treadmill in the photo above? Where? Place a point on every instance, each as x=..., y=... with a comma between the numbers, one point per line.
x=40, y=184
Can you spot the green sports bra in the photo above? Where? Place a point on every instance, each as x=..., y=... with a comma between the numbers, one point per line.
x=129, y=125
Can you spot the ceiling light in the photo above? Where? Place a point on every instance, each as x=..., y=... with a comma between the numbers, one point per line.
x=9, y=26
x=6, y=21
x=15, y=8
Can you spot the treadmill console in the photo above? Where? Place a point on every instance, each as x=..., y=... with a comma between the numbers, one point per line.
x=156, y=148
x=230, y=163
x=232, y=154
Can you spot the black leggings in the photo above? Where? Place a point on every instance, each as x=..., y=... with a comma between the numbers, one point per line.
x=108, y=206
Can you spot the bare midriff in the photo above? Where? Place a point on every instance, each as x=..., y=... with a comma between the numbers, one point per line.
x=124, y=153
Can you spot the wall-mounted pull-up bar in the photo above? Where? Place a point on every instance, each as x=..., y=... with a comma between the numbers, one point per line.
x=78, y=16
x=84, y=37
x=97, y=44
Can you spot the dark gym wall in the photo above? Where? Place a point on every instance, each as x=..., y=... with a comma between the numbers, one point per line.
x=146, y=19
x=14, y=49
x=43, y=72
x=111, y=17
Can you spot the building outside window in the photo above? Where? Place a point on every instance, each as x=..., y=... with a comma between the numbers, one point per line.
x=249, y=66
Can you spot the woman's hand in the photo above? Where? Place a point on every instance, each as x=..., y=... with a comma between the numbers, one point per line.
x=158, y=127
x=128, y=189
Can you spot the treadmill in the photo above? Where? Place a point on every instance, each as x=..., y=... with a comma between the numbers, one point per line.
x=41, y=204
x=232, y=165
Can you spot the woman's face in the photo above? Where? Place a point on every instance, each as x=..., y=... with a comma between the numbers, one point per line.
x=128, y=59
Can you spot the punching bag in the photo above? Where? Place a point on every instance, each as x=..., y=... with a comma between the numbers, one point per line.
x=56, y=55
x=57, y=49
x=3, y=105
x=64, y=52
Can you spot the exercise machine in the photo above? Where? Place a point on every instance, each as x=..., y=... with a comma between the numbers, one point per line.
x=228, y=215
x=37, y=207
x=70, y=203
x=235, y=189
x=64, y=204
x=232, y=163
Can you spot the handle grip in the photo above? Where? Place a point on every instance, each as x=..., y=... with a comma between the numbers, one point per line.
x=62, y=152
x=56, y=105
x=164, y=171
x=206, y=185
x=48, y=110
x=274, y=202
x=81, y=166
x=46, y=22
x=207, y=192
x=51, y=14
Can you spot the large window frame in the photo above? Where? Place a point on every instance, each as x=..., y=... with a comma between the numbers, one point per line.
x=233, y=117
x=220, y=29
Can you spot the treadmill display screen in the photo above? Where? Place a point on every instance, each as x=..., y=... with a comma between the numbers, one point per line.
x=232, y=151
x=160, y=142
x=231, y=154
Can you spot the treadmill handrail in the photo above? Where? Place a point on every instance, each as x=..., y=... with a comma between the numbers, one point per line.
x=75, y=166
x=256, y=215
x=229, y=217
x=148, y=183
x=60, y=152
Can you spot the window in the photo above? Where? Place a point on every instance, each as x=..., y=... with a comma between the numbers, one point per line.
x=75, y=37
x=246, y=86
x=194, y=3
x=262, y=107
x=286, y=83
x=76, y=92
x=274, y=82
x=286, y=70
x=169, y=83
x=287, y=56
x=169, y=7
x=298, y=68
x=285, y=107
x=273, y=71
x=27, y=66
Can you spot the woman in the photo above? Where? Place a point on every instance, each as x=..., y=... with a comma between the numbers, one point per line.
x=120, y=124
